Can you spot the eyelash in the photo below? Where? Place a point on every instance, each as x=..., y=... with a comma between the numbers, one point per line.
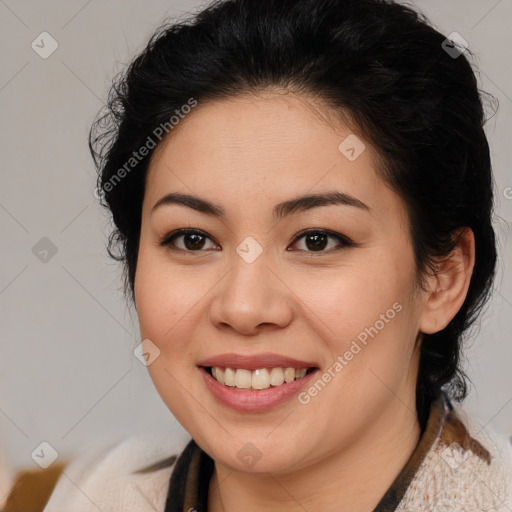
x=344, y=242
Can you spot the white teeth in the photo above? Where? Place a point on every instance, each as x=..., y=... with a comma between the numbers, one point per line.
x=289, y=374
x=258, y=379
x=218, y=374
x=276, y=376
x=243, y=379
x=229, y=376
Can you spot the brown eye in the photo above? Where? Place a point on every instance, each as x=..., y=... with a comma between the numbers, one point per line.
x=192, y=240
x=318, y=240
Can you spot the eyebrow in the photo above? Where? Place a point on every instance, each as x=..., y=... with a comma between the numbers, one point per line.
x=280, y=210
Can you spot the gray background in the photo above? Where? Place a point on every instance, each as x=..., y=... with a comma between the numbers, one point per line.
x=67, y=373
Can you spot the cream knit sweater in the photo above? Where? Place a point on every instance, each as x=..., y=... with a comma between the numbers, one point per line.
x=449, y=479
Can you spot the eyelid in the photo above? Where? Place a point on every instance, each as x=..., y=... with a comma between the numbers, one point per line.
x=166, y=240
x=343, y=240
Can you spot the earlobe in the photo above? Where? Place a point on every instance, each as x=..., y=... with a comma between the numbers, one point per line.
x=449, y=286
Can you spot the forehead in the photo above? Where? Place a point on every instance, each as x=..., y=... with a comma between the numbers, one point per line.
x=262, y=147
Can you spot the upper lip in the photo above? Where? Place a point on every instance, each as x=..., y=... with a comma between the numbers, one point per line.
x=255, y=362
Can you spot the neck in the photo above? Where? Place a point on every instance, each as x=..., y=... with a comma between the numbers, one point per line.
x=357, y=476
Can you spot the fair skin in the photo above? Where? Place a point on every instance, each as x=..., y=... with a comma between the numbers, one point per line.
x=245, y=155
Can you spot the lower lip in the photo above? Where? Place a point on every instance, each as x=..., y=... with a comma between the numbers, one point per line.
x=246, y=400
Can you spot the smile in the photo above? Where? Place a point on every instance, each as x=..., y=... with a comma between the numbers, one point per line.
x=262, y=378
x=240, y=395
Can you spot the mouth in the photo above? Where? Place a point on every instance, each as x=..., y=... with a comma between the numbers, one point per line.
x=256, y=391
x=259, y=379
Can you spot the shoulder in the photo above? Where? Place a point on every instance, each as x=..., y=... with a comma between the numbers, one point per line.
x=109, y=478
x=469, y=467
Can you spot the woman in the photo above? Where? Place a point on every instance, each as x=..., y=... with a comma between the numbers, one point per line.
x=302, y=197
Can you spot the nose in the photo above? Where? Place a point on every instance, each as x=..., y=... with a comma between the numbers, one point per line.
x=251, y=298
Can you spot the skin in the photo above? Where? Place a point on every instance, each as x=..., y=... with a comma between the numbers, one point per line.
x=246, y=154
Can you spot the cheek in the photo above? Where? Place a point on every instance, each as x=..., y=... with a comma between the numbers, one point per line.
x=365, y=318
x=166, y=317
x=348, y=300
x=171, y=306
x=161, y=301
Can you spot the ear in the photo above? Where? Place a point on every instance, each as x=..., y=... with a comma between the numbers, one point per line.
x=447, y=289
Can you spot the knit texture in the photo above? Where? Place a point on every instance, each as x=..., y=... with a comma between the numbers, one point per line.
x=105, y=480
x=454, y=478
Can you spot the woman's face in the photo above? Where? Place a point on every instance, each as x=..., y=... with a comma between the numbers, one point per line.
x=240, y=284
